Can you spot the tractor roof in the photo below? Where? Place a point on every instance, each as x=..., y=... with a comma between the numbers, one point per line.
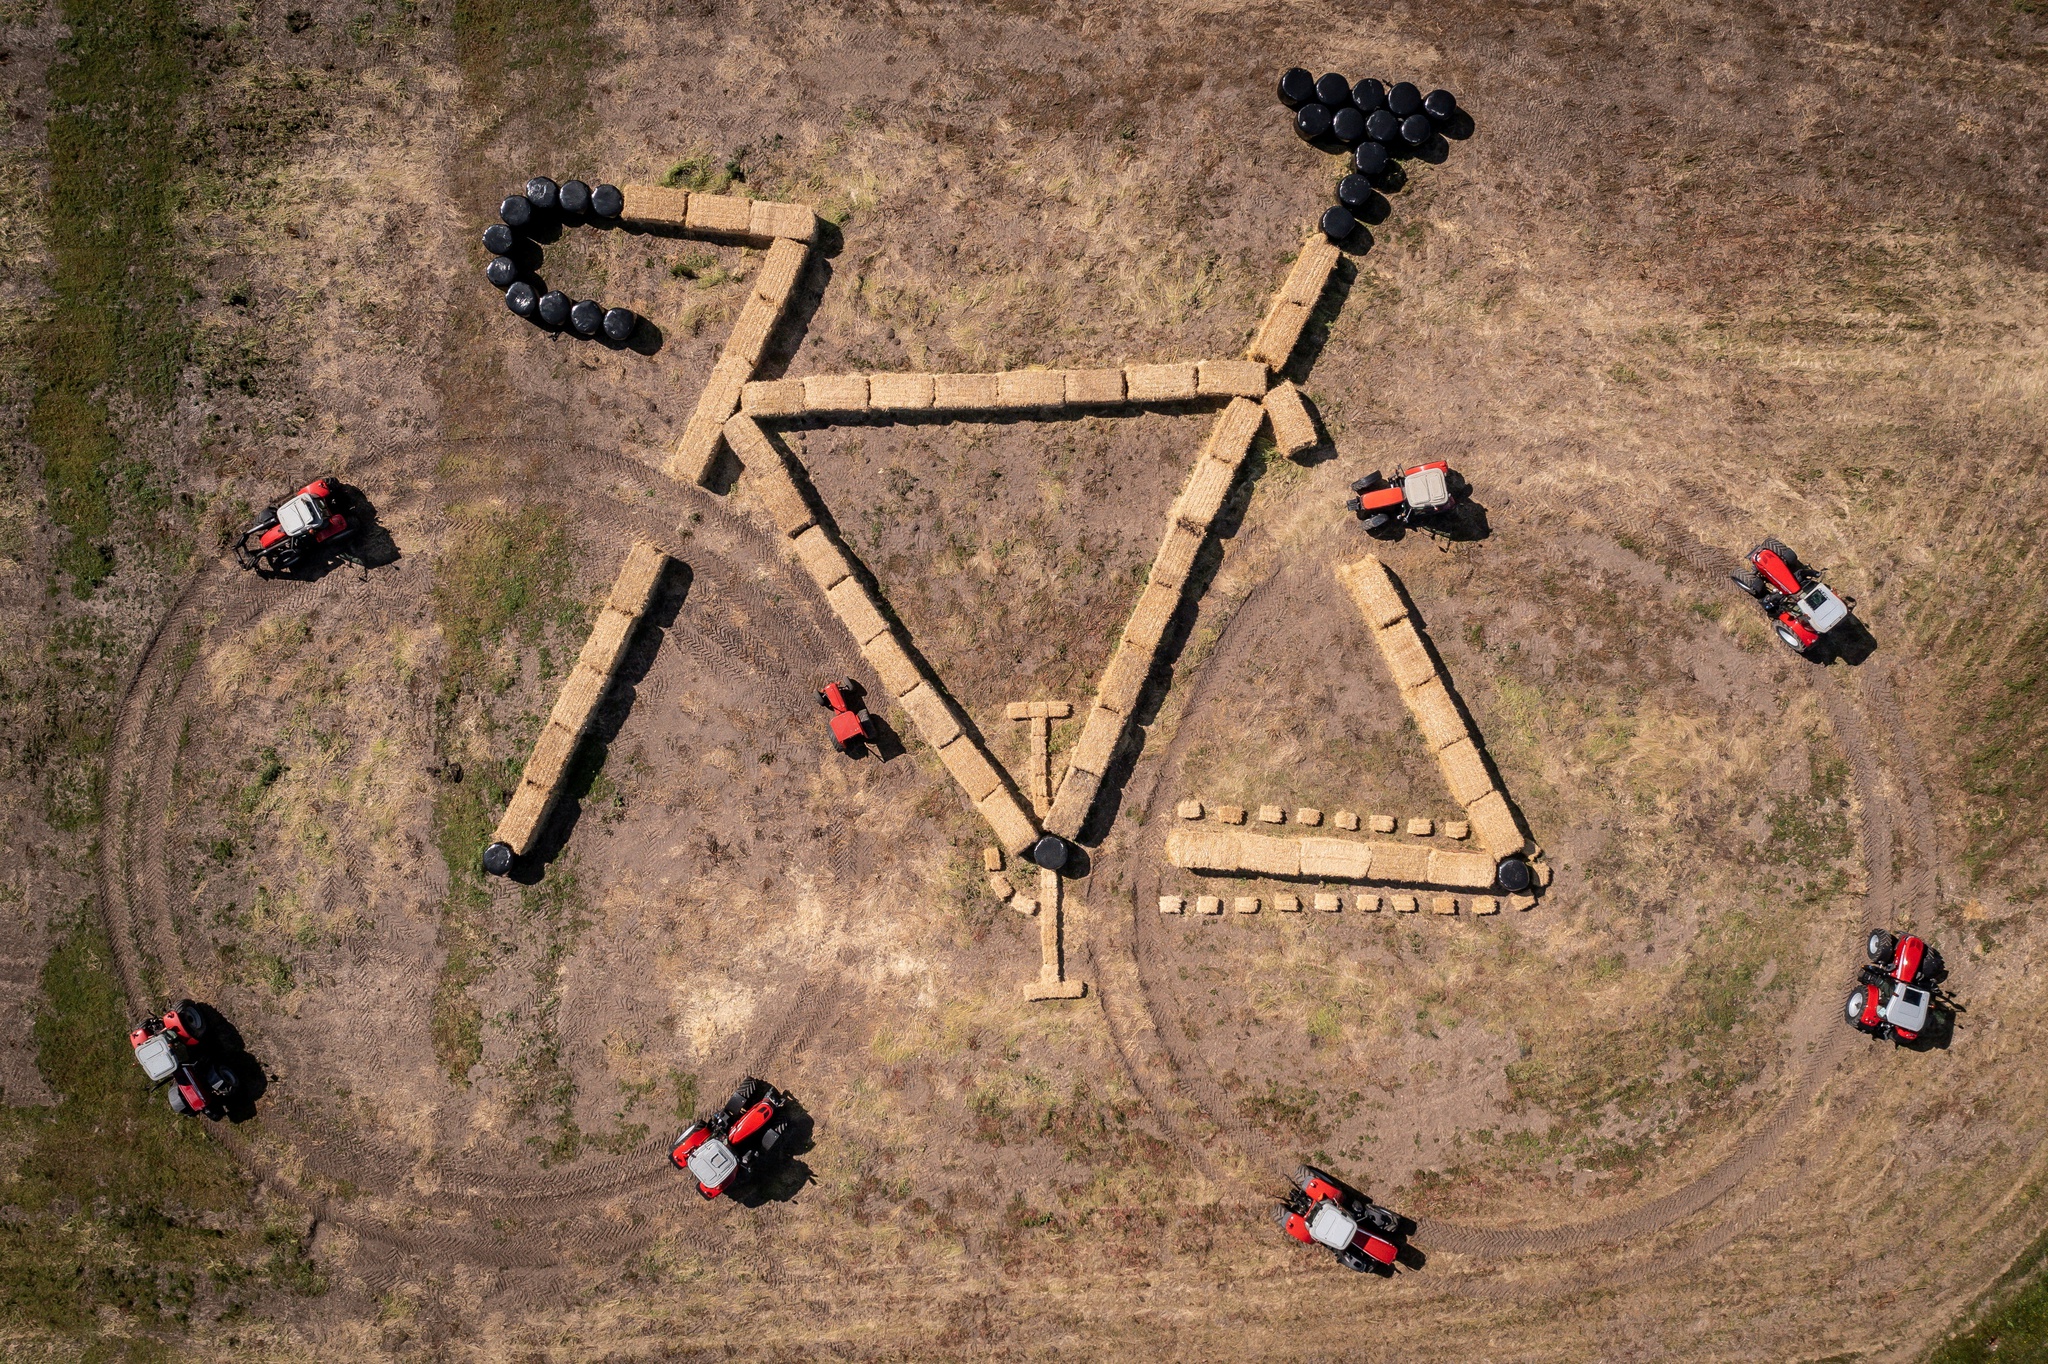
x=713, y=1163
x=1330, y=1225
x=299, y=515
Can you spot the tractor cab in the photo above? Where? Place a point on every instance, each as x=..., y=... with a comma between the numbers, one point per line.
x=1822, y=608
x=712, y=1163
x=1427, y=487
x=1331, y=1226
x=301, y=515
x=157, y=1058
x=1907, y=1010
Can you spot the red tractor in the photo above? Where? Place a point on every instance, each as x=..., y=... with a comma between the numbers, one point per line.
x=315, y=516
x=1800, y=606
x=1895, y=992
x=1409, y=497
x=851, y=723
x=1319, y=1211
x=172, y=1047
x=733, y=1146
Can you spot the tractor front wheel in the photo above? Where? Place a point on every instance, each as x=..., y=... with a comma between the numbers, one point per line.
x=1788, y=638
x=1880, y=946
x=745, y=1097
x=1779, y=548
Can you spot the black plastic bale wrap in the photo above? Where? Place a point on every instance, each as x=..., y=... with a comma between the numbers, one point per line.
x=1369, y=94
x=1349, y=126
x=521, y=299
x=516, y=211
x=1297, y=87
x=1333, y=90
x=1337, y=223
x=1354, y=192
x=1312, y=121
x=498, y=239
x=1382, y=126
x=554, y=308
x=501, y=272
x=1371, y=158
x=1416, y=129
x=620, y=323
x=607, y=202
x=1440, y=104
x=1404, y=99
x=586, y=317
x=543, y=193
x=574, y=198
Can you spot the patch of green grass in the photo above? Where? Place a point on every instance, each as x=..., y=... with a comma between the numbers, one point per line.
x=547, y=43
x=124, y=1214
x=465, y=814
x=114, y=337
x=705, y=173
x=507, y=573
x=2014, y=1329
x=2005, y=761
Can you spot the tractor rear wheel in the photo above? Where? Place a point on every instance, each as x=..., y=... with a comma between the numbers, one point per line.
x=1880, y=946
x=1930, y=963
x=1852, y=1008
x=1779, y=548
x=1789, y=639
x=194, y=1022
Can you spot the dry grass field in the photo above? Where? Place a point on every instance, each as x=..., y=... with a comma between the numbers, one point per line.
x=1700, y=274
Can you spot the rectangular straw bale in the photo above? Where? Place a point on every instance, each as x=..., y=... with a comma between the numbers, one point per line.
x=607, y=642
x=1204, y=849
x=892, y=663
x=1169, y=383
x=1294, y=430
x=836, y=393
x=1203, y=496
x=1029, y=388
x=638, y=576
x=1463, y=870
x=780, y=271
x=1176, y=557
x=772, y=398
x=1075, y=799
x=1436, y=714
x=1094, y=387
x=1279, y=334
x=1373, y=590
x=1123, y=681
x=1230, y=378
x=1336, y=859
x=1311, y=272
x=971, y=768
x=1331, y=904
x=1012, y=823
x=1154, y=613
x=524, y=817
x=1494, y=825
x=580, y=694
x=1464, y=771
x=1268, y=855
x=550, y=757
x=722, y=214
x=748, y=440
x=850, y=601
x=1400, y=862
x=697, y=448
x=749, y=339
x=784, y=500
x=1247, y=904
x=655, y=206
x=935, y=721
x=822, y=558
x=1235, y=430
x=963, y=392
x=1099, y=739
x=1407, y=660
x=900, y=392
x=793, y=222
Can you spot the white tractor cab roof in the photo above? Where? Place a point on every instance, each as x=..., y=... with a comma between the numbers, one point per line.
x=713, y=1163
x=1331, y=1226
x=158, y=1061
x=1427, y=489
x=1907, y=1008
x=1823, y=609
x=300, y=515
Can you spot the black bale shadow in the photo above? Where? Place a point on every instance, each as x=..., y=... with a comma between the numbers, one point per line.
x=1849, y=643
x=612, y=711
x=790, y=1176
x=787, y=340
x=1459, y=126
x=222, y=1043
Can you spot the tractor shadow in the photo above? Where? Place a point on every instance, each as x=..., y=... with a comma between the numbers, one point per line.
x=1940, y=1032
x=223, y=1042
x=585, y=768
x=1466, y=523
x=1850, y=643
x=791, y=1176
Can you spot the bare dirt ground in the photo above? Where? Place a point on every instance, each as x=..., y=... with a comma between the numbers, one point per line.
x=1698, y=276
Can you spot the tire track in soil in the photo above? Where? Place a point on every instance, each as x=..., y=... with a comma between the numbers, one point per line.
x=135, y=898
x=1814, y=1030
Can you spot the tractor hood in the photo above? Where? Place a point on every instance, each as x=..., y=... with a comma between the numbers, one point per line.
x=1331, y=1226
